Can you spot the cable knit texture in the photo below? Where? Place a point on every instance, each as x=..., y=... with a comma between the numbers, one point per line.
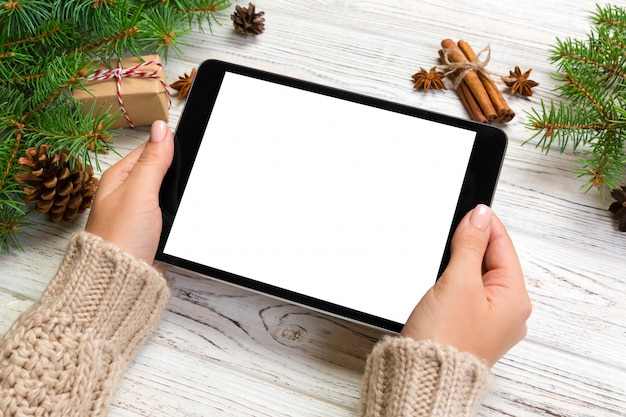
x=404, y=377
x=65, y=356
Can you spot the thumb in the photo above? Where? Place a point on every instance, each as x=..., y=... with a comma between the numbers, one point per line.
x=469, y=243
x=155, y=159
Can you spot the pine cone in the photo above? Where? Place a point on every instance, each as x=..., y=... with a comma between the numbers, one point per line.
x=618, y=208
x=56, y=186
x=247, y=22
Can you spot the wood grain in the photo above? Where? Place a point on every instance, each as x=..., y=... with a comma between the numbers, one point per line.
x=223, y=351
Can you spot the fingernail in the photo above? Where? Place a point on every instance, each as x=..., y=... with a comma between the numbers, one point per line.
x=481, y=217
x=157, y=131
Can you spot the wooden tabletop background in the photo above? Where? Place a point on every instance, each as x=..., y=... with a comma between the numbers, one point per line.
x=224, y=351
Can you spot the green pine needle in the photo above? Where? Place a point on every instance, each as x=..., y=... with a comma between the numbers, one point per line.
x=590, y=113
x=161, y=29
x=48, y=48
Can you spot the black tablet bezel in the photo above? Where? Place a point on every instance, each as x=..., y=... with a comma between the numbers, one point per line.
x=478, y=187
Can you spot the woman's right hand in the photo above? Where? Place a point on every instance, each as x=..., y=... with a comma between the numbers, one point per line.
x=479, y=304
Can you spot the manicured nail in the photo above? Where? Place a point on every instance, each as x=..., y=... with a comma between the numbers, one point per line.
x=481, y=216
x=157, y=131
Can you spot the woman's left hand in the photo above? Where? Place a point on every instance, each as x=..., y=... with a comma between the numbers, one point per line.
x=126, y=208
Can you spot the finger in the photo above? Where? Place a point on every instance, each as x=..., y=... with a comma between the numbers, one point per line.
x=469, y=243
x=504, y=280
x=503, y=250
x=502, y=257
x=115, y=175
x=154, y=160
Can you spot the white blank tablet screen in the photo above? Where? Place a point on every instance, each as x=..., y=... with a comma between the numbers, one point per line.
x=328, y=198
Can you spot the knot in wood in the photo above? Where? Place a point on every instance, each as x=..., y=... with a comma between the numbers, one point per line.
x=292, y=333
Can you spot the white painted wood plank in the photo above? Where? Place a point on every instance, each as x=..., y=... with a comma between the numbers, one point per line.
x=224, y=351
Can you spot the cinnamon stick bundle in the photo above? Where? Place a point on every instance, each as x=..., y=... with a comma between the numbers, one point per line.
x=478, y=92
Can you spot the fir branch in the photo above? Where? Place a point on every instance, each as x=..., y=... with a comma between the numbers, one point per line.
x=605, y=163
x=115, y=32
x=559, y=124
x=591, y=111
x=107, y=45
x=46, y=49
x=12, y=223
x=597, y=104
x=64, y=73
x=571, y=55
x=69, y=125
x=44, y=34
x=11, y=143
x=83, y=13
x=11, y=134
x=161, y=30
x=611, y=16
x=10, y=64
x=10, y=202
x=202, y=11
x=21, y=18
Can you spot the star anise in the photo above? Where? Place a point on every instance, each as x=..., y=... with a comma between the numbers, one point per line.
x=618, y=208
x=183, y=84
x=519, y=83
x=427, y=79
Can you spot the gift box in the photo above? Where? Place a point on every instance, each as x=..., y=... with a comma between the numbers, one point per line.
x=136, y=88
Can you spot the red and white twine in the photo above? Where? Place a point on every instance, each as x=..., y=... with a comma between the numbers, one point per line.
x=134, y=71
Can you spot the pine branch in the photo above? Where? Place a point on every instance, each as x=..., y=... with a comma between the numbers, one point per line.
x=48, y=48
x=21, y=18
x=605, y=163
x=12, y=213
x=201, y=11
x=161, y=29
x=63, y=74
x=559, y=124
x=115, y=33
x=591, y=110
x=68, y=125
x=11, y=135
x=106, y=47
x=12, y=223
x=82, y=13
x=9, y=188
x=612, y=17
x=46, y=35
x=10, y=64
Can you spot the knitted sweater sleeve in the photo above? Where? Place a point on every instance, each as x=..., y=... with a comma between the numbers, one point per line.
x=65, y=356
x=405, y=377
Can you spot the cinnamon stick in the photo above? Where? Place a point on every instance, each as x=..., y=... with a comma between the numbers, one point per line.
x=469, y=102
x=503, y=111
x=472, y=81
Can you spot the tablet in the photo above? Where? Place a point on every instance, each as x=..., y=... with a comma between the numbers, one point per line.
x=333, y=200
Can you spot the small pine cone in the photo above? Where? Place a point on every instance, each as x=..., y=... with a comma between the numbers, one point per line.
x=56, y=186
x=618, y=208
x=247, y=22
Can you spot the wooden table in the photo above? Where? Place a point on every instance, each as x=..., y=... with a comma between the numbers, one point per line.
x=222, y=351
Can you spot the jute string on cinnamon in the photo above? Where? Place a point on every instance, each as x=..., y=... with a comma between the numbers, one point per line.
x=134, y=71
x=473, y=82
x=463, y=66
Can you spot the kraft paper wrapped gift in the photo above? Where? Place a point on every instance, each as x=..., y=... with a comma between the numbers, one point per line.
x=141, y=86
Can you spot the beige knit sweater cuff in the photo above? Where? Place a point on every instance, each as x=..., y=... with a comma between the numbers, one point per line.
x=65, y=356
x=406, y=377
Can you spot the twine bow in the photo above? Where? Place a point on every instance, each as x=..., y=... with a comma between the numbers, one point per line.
x=134, y=71
x=466, y=66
